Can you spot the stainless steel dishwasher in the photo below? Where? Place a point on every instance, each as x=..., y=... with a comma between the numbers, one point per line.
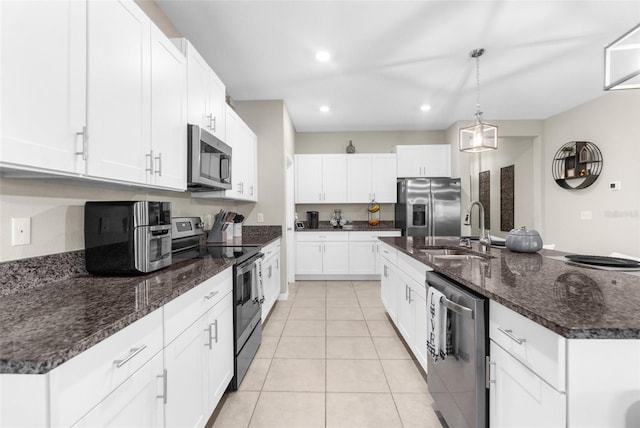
x=457, y=382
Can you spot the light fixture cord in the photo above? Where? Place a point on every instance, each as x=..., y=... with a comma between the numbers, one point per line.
x=478, y=112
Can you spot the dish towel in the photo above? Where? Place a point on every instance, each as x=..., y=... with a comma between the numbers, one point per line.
x=257, y=288
x=437, y=326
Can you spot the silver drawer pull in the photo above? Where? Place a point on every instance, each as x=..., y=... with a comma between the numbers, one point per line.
x=509, y=334
x=164, y=386
x=211, y=295
x=132, y=353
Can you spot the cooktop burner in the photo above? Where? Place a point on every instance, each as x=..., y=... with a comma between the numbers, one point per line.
x=240, y=254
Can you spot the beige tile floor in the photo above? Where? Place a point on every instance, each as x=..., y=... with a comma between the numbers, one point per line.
x=330, y=358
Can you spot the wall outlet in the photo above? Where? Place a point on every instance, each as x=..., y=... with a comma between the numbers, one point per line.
x=586, y=215
x=260, y=217
x=20, y=231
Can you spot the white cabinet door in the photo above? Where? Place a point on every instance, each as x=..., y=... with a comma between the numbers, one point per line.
x=197, y=87
x=268, y=272
x=219, y=351
x=251, y=189
x=518, y=397
x=437, y=160
x=424, y=160
x=362, y=258
x=335, y=258
x=406, y=317
x=216, y=106
x=118, y=97
x=359, y=183
x=186, y=383
x=409, y=161
x=309, y=258
x=389, y=289
x=334, y=179
x=43, y=84
x=419, y=303
x=308, y=179
x=168, y=155
x=384, y=177
x=136, y=403
x=239, y=154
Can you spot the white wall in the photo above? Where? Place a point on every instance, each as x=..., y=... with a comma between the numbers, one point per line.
x=612, y=122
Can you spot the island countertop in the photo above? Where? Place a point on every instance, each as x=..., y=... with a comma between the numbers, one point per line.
x=574, y=301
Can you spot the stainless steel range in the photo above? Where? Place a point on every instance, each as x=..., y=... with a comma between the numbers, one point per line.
x=188, y=235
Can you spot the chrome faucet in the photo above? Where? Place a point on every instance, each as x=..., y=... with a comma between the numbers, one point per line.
x=485, y=239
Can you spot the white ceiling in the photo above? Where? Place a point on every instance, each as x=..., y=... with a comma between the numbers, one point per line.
x=390, y=57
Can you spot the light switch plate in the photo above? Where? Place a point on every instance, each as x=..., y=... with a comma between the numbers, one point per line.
x=20, y=231
x=260, y=217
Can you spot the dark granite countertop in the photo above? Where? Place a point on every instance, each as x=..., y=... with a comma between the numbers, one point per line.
x=358, y=226
x=574, y=301
x=50, y=317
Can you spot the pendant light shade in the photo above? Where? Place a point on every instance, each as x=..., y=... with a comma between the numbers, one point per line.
x=480, y=136
x=622, y=62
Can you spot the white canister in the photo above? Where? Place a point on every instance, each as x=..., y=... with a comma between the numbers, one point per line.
x=237, y=230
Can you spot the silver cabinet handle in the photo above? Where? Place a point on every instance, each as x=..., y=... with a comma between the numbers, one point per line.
x=373, y=248
x=216, y=328
x=159, y=170
x=385, y=271
x=84, y=143
x=406, y=292
x=210, y=117
x=132, y=353
x=251, y=190
x=409, y=297
x=164, y=386
x=510, y=335
x=211, y=295
x=150, y=156
x=214, y=124
x=277, y=263
x=320, y=248
x=487, y=372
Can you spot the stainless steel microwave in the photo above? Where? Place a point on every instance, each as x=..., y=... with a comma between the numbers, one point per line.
x=208, y=161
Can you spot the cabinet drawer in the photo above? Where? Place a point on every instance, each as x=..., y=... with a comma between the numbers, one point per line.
x=413, y=268
x=183, y=311
x=371, y=236
x=271, y=249
x=86, y=379
x=389, y=253
x=328, y=236
x=536, y=347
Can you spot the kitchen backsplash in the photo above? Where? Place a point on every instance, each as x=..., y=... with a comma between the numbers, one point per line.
x=351, y=212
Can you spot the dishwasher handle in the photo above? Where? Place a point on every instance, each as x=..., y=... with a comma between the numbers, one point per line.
x=459, y=309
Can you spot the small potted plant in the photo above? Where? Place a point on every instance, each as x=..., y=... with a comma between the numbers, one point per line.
x=567, y=150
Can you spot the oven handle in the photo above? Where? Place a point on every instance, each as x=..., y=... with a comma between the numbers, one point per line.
x=242, y=268
x=459, y=309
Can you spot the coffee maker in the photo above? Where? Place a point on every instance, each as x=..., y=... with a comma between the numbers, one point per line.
x=312, y=219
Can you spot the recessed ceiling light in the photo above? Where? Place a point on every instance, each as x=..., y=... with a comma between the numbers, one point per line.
x=425, y=107
x=323, y=56
x=324, y=109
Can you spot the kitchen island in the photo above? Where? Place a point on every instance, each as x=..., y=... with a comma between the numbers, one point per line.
x=563, y=338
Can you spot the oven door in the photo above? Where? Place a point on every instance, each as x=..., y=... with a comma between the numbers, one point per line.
x=248, y=304
x=152, y=247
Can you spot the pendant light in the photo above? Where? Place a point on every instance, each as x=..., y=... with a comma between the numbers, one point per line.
x=480, y=136
x=621, y=61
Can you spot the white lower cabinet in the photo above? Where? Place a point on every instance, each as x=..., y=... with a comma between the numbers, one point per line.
x=167, y=369
x=138, y=402
x=404, y=297
x=186, y=383
x=519, y=397
x=270, y=277
x=339, y=255
x=322, y=253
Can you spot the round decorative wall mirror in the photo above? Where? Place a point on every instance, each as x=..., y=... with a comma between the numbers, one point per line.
x=577, y=165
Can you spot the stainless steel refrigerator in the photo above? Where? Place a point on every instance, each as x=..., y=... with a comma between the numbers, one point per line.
x=428, y=206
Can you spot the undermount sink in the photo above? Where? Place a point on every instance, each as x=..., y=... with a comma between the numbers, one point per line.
x=454, y=253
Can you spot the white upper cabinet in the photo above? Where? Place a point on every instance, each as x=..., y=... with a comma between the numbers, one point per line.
x=321, y=179
x=43, y=89
x=205, y=93
x=371, y=176
x=118, y=98
x=168, y=154
x=424, y=161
